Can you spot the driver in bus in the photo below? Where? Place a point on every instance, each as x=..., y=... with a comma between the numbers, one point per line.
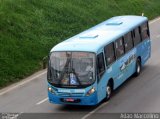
x=89, y=67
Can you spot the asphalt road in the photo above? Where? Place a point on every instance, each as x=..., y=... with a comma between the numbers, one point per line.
x=140, y=94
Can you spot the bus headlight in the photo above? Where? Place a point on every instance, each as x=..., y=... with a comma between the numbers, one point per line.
x=51, y=90
x=91, y=91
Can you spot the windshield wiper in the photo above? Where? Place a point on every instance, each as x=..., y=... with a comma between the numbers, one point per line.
x=64, y=69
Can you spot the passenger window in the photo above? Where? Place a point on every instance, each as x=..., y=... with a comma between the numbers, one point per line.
x=109, y=54
x=100, y=64
x=119, y=47
x=136, y=36
x=128, y=42
x=144, y=31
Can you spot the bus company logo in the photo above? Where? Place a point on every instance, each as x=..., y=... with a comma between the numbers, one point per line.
x=127, y=61
x=64, y=91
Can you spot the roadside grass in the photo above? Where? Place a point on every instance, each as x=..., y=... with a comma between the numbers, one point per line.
x=30, y=28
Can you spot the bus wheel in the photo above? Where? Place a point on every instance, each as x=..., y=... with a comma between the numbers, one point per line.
x=108, y=91
x=138, y=67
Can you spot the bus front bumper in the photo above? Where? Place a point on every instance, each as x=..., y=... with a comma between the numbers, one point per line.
x=85, y=100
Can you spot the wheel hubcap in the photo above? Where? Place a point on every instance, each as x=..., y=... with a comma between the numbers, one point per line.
x=138, y=68
x=108, y=91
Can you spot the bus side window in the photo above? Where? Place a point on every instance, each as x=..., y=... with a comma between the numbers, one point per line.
x=136, y=36
x=144, y=31
x=100, y=65
x=109, y=54
x=128, y=42
x=119, y=47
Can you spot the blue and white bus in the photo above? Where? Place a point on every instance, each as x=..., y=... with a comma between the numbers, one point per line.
x=86, y=68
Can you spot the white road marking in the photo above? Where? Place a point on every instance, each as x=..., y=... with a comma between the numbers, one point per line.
x=42, y=101
x=155, y=20
x=90, y=113
x=22, y=83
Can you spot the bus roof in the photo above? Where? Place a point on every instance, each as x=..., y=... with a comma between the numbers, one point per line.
x=95, y=38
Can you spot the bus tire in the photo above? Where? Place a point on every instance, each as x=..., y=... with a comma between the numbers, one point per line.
x=108, y=91
x=138, y=67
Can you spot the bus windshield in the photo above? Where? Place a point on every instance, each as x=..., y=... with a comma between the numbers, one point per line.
x=72, y=68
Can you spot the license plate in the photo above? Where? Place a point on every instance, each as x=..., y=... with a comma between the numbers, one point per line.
x=69, y=100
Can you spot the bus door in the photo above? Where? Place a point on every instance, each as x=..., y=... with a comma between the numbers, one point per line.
x=101, y=77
